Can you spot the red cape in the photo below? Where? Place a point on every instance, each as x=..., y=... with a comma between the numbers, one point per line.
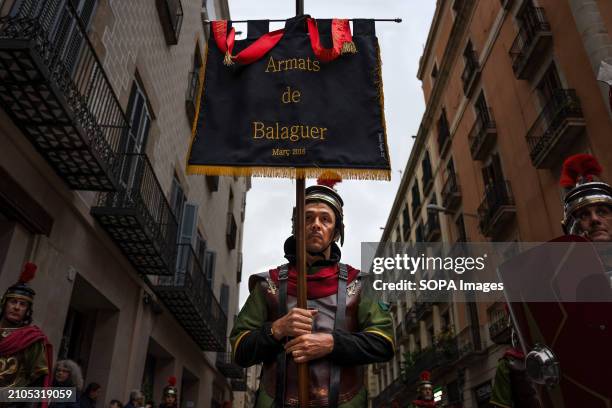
x=22, y=338
x=322, y=283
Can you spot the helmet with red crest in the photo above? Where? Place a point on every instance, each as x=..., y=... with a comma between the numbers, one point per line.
x=22, y=290
x=578, y=177
x=325, y=193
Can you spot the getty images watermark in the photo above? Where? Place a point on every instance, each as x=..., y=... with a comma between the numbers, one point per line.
x=489, y=271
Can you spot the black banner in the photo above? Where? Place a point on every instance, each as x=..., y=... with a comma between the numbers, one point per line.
x=288, y=113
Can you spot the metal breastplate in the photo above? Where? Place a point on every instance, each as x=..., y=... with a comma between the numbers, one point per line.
x=351, y=376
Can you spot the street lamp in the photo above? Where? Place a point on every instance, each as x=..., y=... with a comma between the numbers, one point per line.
x=435, y=208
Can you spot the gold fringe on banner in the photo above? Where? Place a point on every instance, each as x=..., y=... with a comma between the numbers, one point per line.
x=348, y=48
x=289, y=172
x=378, y=81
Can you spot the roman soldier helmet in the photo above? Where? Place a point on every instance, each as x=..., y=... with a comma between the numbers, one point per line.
x=425, y=382
x=324, y=192
x=582, y=189
x=21, y=290
x=170, y=389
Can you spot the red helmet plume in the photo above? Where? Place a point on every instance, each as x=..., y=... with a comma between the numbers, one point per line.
x=28, y=272
x=329, y=179
x=425, y=376
x=578, y=166
x=172, y=381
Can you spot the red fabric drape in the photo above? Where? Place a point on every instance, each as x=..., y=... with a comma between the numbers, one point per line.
x=320, y=284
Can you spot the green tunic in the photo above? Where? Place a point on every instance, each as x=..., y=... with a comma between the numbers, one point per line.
x=501, y=395
x=373, y=317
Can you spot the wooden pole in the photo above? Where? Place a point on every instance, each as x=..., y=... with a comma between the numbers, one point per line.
x=302, y=368
x=300, y=186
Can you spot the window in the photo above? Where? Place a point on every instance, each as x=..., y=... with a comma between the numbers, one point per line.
x=177, y=198
x=416, y=200
x=224, y=298
x=549, y=84
x=443, y=132
x=211, y=258
x=66, y=34
x=434, y=72
x=492, y=174
x=482, y=110
x=193, y=87
x=140, y=120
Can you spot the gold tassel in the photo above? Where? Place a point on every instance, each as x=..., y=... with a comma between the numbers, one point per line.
x=348, y=48
x=227, y=60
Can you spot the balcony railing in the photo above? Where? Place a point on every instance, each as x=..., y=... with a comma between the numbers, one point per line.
x=471, y=73
x=432, y=228
x=483, y=135
x=557, y=127
x=171, y=18
x=138, y=217
x=191, y=300
x=55, y=90
x=232, y=231
x=497, y=208
x=499, y=328
x=451, y=192
x=192, y=94
x=533, y=39
x=438, y=356
x=226, y=365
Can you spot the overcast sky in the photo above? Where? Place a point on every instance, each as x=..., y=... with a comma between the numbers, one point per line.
x=366, y=203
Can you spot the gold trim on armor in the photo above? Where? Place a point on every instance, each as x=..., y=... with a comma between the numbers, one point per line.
x=376, y=331
x=238, y=341
x=17, y=296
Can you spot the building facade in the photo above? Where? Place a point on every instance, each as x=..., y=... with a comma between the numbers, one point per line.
x=139, y=263
x=510, y=90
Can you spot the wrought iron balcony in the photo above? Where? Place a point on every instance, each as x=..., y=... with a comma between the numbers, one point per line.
x=499, y=328
x=471, y=73
x=432, y=358
x=469, y=344
x=432, y=228
x=191, y=98
x=53, y=87
x=226, y=365
x=496, y=209
x=171, y=18
x=138, y=217
x=531, y=43
x=410, y=322
x=483, y=135
x=192, y=302
x=557, y=127
x=451, y=192
x=232, y=231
